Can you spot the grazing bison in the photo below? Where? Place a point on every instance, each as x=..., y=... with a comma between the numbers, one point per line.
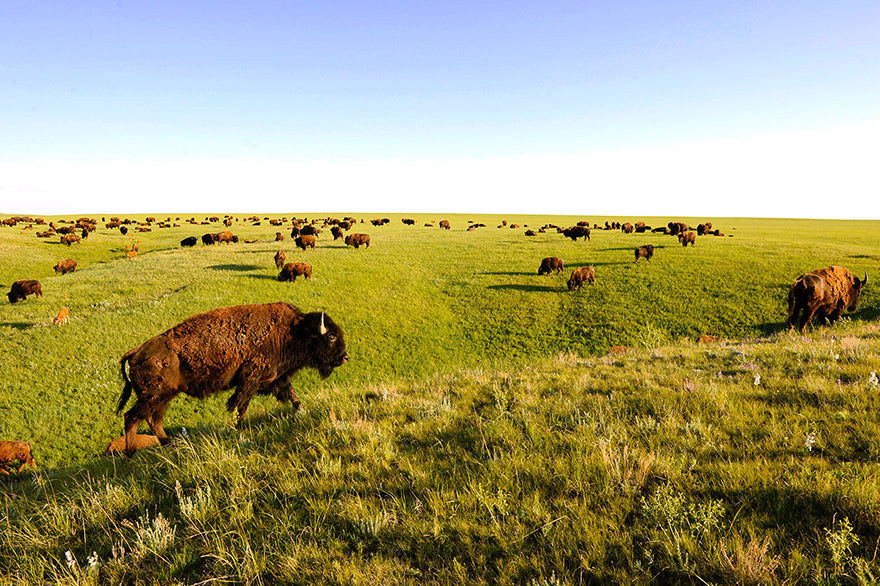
x=292, y=270
x=23, y=288
x=687, y=238
x=304, y=241
x=69, y=239
x=227, y=237
x=337, y=232
x=189, y=241
x=15, y=451
x=550, y=264
x=579, y=276
x=65, y=266
x=825, y=293
x=676, y=227
x=141, y=441
x=279, y=259
x=255, y=348
x=645, y=251
x=62, y=318
x=444, y=225
x=357, y=240
x=208, y=239
x=576, y=232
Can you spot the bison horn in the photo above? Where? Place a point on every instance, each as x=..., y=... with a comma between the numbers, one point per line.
x=323, y=327
x=866, y=279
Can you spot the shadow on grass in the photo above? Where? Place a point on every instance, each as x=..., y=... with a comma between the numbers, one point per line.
x=232, y=267
x=529, y=288
x=265, y=277
x=16, y=325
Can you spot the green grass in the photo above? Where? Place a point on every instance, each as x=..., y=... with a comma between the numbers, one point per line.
x=481, y=432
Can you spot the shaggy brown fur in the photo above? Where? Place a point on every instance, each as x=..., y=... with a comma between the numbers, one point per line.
x=357, y=240
x=305, y=241
x=15, y=451
x=227, y=237
x=645, y=251
x=65, y=266
x=444, y=225
x=279, y=259
x=23, y=288
x=69, y=239
x=255, y=348
x=549, y=264
x=825, y=293
x=141, y=441
x=292, y=270
x=687, y=238
x=581, y=275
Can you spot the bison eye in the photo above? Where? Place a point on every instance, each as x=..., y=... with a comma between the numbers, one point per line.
x=332, y=338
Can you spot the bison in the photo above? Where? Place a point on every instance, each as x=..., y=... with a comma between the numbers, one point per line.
x=576, y=232
x=826, y=293
x=645, y=251
x=62, y=318
x=304, y=241
x=579, y=276
x=141, y=441
x=337, y=232
x=292, y=270
x=208, y=239
x=69, y=239
x=687, y=238
x=189, y=241
x=357, y=240
x=65, y=266
x=279, y=258
x=15, y=451
x=444, y=225
x=21, y=289
x=255, y=348
x=227, y=237
x=550, y=264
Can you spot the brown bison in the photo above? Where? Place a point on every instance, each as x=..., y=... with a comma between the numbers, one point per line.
x=581, y=275
x=69, y=239
x=337, y=232
x=208, y=239
x=550, y=264
x=279, y=259
x=141, y=441
x=645, y=251
x=357, y=240
x=676, y=227
x=304, y=241
x=189, y=241
x=21, y=289
x=65, y=266
x=444, y=225
x=292, y=270
x=62, y=318
x=825, y=293
x=576, y=232
x=255, y=348
x=227, y=237
x=687, y=238
x=15, y=451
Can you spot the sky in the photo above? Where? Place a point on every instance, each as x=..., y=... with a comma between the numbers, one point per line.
x=627, y=108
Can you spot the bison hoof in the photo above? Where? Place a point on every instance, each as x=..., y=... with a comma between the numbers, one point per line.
x=295, y=405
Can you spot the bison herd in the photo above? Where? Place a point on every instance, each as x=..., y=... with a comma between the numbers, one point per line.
x=256, y=349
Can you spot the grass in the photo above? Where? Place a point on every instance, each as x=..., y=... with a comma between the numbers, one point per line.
x=482, y=432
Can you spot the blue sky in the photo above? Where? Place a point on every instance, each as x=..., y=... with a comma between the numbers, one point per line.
x=630, y=108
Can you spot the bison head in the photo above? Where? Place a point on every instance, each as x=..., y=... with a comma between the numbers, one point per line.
x=856, y=292
x=323, y=342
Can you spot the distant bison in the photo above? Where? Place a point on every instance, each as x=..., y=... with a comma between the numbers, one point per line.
x=292, y=270
x=825, y=293
x=576, y=232
x=15, y=451
x=255, y=348
x=304, y=241
x=358, y=240
x=646, y=251
x=687, y=238
x=227, y=237
x=23, y=288
x=581, y=275
x=69, y=239
x=279, y=258
x=208, y=239
x=550, y=264
x=189, y=241
x=65, y=266
x=444, y=225
x=337, y=232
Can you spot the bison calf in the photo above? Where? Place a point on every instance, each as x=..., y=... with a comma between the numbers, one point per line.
x=21, y=289
x=292, y=270
x=254, y=348
x=581, y=275
x=141, y=441
x=550, y=264
x=15, y=451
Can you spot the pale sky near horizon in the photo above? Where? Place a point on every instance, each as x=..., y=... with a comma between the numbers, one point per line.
x=685, y=108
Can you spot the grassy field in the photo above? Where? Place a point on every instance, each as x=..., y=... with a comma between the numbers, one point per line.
x=481, y=432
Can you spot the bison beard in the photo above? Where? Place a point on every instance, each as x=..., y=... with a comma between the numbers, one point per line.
x=255, y=348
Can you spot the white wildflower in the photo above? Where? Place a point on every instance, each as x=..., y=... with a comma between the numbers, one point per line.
x=71, y=561
x=873, y=380
x=811, y=440
x=757, y=379
x=93, y=560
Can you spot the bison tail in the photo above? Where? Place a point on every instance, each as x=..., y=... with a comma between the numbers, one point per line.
x=126, y=390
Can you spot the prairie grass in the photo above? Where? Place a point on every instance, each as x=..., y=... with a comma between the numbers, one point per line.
x=483, y=432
